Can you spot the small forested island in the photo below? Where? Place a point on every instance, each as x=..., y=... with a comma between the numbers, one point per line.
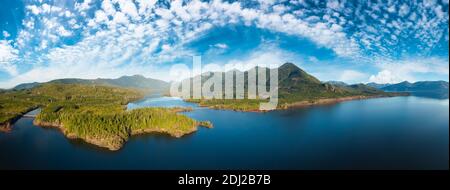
x=97, y=114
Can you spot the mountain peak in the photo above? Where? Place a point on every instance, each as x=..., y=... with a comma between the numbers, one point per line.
x=289, y=66
x=291, y=72
x=137, y=76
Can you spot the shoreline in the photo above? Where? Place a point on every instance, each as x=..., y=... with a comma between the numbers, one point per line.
x=71, y=136
x=116, y=143
x=301, y=104
x=328, y=101
x=6, y=126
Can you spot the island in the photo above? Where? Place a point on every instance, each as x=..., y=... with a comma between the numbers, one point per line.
x=94, y=113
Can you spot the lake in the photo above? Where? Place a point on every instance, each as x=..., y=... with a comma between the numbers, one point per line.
x=383, y=133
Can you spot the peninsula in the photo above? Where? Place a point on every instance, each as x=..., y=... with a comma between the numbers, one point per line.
x=296, y=88
x=96, y=114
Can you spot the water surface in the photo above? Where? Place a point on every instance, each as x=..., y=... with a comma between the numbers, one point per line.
x=384, y=133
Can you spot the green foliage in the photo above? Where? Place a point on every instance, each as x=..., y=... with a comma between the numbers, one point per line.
x=94, y=112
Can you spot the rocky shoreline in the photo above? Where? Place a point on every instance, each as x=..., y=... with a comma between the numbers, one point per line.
x=116, y=143
x=7, y=125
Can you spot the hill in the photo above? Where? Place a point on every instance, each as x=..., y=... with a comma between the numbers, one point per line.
x=136, y=81
x=418, y=86
x=435, y=89
x=336, y=83
x=377, y=85
x=26, y=86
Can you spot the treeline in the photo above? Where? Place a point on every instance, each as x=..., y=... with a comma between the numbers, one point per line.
x=104, y=123
x=95, y=112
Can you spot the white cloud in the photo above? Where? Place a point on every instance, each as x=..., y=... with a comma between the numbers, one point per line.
x=120, y=18
x=404, y=10
x=352, y=76
x=438, y=11
x=6, y=34
x=122, y=32
x=409, y=69
x=46, y=8
x=194, y=17
x=34, y=9
x=385, y=77
x=333, y=4
x=429, y=3
x=145, y=5
x=8, y=55
x=129, y=9
x=83, y=6
x=68, y=14
x=165, y=47
x=391, y=9
x=221, y=46
x=313, y=59
x=108, y=7
x=265, y=55
x=100, y=16
x=63, y=32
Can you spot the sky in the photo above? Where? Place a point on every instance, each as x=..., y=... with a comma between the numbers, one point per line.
x=383, y=41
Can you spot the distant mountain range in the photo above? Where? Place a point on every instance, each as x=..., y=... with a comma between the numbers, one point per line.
x=418, y=86
x=435, y=89
x=336, y=83
x=26, y=86
x=294, y=84
x=432, y=89
x=135, y=81
x=376, y=85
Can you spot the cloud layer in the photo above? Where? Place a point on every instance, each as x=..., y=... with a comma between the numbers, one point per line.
x=112, y=37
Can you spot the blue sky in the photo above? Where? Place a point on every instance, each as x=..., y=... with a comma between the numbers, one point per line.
x=351, y=41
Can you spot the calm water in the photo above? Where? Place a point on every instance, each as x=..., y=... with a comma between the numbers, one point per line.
x=385, y=133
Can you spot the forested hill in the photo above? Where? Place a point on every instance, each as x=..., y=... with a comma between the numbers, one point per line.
x=432, y=89
x=136, y=81
x=294, y=85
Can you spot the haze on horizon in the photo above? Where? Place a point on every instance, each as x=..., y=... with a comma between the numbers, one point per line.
x=349, y=41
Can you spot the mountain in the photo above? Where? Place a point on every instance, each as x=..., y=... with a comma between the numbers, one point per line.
x=297, y=85
x=418, y=86
x=135, y=81
x=434, y=89
x=336, y=83
x=377, y=85
x=294, y=86
x=25, y=86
